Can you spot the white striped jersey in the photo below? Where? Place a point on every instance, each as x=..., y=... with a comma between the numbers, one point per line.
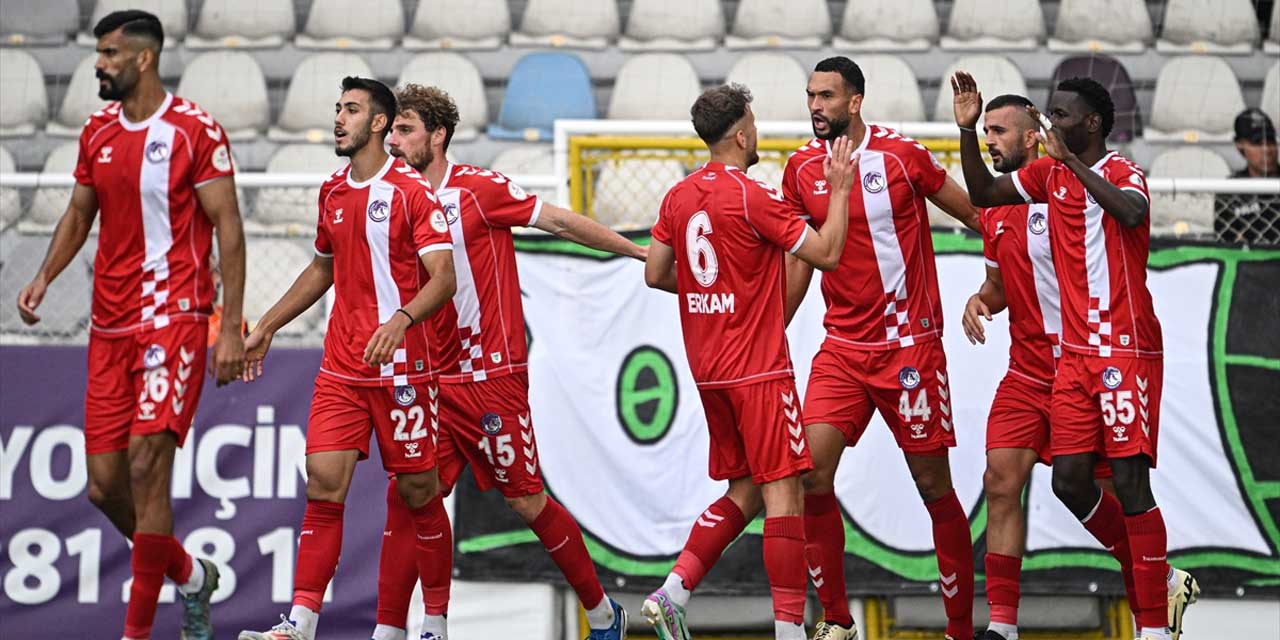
x=1015, y=240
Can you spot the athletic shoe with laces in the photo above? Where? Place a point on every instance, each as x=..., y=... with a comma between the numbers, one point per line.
x=666, y=616
x=196, y=623
x=1186, y=593
x=283, y=631
x=992, y=635
x=832, y=631
x=617, y=630
x=427, y=635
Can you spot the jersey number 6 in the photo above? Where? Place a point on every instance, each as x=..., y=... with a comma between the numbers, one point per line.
x=702, y=256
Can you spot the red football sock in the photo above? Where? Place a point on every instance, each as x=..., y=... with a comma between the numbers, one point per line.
x=1003, y=589
x=318, y=549
x=179, y=569
x=1149, y=542
x=1107, y=524
x=435, y=555
x=396, y=574
x=784, y=563
x=152, y=553
x=712, y=533
x=955, y=563
x=562, y=538
x=824, y=551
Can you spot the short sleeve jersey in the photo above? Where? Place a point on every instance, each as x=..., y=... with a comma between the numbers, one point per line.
x=1015, y=240
x=729, y=233
x=376, y=231
x=152, y=266
x=481, y=335
x=1101, y=264
x=884, y=293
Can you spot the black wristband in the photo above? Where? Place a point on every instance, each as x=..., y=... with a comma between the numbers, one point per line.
x=406, y=314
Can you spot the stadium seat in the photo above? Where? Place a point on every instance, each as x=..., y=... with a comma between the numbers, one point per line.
x=472, y=24
x=330, y=25
x=787, y=24
x=1222, y=27
x=995, y=75
x=629, y=192
x=10, y=198
x=654, y=86
x=777, y=84
x=1115, y=78
x=294, y=208
x=674, y=25
x=894, y=25
x=23, y=104
x=1126, y=29
x=892, y=93
x=1197, y=99
x=271, y=265
x=1272, y=45
x=541, y=88
x=768, y=172
x=64, y=313
x=568, y=23
x=937, y=217
x=172, y=14
x=307, y=113
x=79, y=101
x=243, y=24
x=529, y=160
x=458, y=76
x=38, y=22
x=1270, y=102
x=228, y=84
x=994, y=25
x=1184, y=213
x=49, y=203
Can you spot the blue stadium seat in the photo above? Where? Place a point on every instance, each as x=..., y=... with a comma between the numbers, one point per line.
x=542, y=88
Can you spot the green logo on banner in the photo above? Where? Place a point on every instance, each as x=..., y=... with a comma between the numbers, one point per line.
x=647, y=394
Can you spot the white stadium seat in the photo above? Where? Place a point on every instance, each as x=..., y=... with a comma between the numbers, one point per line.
x=379, y=26
x=243, y=24
x=307, y=114
x=568, y=23
x=1126, y=29
x=787, y=24
x=994, y=25
x=472, y=24
x=1270, y=102
x=294, y=208
x=654, y=86
x=1185, y=212
x=10, y=199
x=38, y=22
x=995, y=75
x=1272, y=45
x=777, y=83
x=172, y=15
x=529, y=159
x=271, y=265
x=1222, y=27
x=229, y=85
x=879, y=25
x=459, y=77
x=1197, y=99
x=24, y=106
x=79, y=101
x=767, y=172
x=892, y=92
x=629, y=192
x=674, y=25
x=49, y=203
x=938, y=217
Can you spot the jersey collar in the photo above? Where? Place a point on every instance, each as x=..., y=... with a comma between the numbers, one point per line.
x=376, y=177
x=1098, y=165
x=448, y=173
x=866, y=138
x=139, y=126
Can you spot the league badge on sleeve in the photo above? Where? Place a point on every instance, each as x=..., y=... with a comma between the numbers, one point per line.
x=438, y=221
x=221, y=159
x=516, y=192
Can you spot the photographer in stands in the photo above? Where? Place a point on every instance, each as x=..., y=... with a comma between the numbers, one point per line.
x=1253, y=219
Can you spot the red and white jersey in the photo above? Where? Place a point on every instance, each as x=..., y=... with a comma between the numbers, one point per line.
x=376, y=231
x=481, y=335
x=1015, y=240
x=1101, y=264
x=152, y=267
x=729, y=232
x=884, y=293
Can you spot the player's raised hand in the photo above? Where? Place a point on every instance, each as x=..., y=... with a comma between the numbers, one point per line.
x=255, y=351
x=386, y=339
x=30, y=298
x=974, y=310
x=840, y=167
x=967, y=100
x=228, y=361
x=1049, y=137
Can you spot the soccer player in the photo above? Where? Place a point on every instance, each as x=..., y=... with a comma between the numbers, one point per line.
x=883, y=350
x=1107, y=389
x=159, y=170
x=383, y=243
x=719, y=244
x=479, y=344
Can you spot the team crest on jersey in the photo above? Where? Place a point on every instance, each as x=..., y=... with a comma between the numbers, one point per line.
x=379, y=210
x=1037, y=223
x=405, y=395
x=491, y=423
x=157, y=151
x=909, y=378
x=1111, y=377
x=450, y=212
x=516, y=192
x=438, y=222
x=1089, y=196
x=153, y=357
x=873, y=182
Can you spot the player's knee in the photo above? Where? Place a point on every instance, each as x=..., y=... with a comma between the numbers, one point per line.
x=819, y=481
x=528, y=507
x=1000, y=484
x=1073, y=489
x=104, y=496
x=417, y=490
x=328, y=486
x=143, y=468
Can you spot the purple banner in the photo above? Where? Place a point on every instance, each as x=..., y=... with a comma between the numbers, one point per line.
x=239, y=491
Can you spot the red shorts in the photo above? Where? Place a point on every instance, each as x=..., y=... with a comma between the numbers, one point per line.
x=143, y=383
x=1019, y=419
x=404, y=419
x=908, y=385
x=1108, y=405
x=487, y=425
x=756, y=429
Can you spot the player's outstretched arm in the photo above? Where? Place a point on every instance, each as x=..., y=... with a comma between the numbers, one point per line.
x=218, y=199
x=822, y=247
x=578, y=228
x=660, y=267
x=70, y=234
x=1129, y=206
x=305, y=291
x=954, y=201
x=985, y=190
x=440, y=289
x=987, y=301
x=798, y=273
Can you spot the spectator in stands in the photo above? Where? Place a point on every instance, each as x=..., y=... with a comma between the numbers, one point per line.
x=1252, y=219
